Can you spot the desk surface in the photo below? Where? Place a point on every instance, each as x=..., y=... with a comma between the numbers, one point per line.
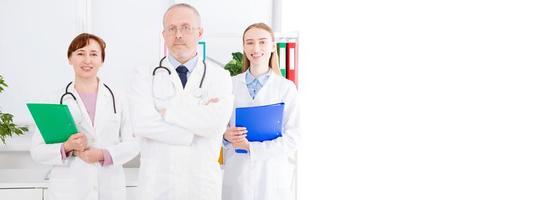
x=34, y=178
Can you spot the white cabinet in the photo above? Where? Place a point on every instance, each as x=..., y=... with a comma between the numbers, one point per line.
x=131, y=193
x=21, y=194
x=29, y=184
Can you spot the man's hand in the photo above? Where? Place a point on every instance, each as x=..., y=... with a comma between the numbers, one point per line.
x=212, y=100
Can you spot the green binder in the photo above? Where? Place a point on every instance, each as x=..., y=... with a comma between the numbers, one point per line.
x=282, y=57
x=54, y=121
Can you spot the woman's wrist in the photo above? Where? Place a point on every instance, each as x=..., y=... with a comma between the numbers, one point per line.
x=66, y=147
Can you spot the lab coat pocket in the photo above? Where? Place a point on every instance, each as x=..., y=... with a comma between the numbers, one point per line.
x=111, y=130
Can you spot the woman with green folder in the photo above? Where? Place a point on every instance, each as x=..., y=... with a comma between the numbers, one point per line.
x=89, y=164
x=261, y=170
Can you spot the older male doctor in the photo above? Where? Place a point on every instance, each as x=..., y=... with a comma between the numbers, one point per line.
x=181, y=110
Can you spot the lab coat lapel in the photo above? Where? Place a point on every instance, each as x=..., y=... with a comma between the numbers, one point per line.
x=262, y=95
x=191, y=84
x=175, y=78
x=195, y=76
x=85, y=121
x=243, y=91
x=193, y=80
x=103, y=107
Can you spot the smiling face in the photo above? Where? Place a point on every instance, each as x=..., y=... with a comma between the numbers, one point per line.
x=258, y=46
x=87, y=60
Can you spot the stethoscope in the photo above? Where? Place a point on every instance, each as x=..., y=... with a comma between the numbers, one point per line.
x=74, y=97
x=80, y=110
x=199, y=93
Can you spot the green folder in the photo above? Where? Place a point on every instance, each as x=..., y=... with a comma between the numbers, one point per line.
x=54, y=121
x=282, y=57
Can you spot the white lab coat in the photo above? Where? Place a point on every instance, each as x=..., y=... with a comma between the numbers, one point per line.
x=267, y=171
x=180, y=148
x=74, y=179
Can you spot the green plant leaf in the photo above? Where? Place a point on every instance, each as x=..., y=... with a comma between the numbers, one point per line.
x=234, y=66
x=8, y=128
x=238, y=56
x=2, y=84
x=6, y=118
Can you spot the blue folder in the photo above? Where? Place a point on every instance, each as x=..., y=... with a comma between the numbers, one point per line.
x=263, y=123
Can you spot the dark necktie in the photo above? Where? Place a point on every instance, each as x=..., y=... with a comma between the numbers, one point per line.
x=182, y=70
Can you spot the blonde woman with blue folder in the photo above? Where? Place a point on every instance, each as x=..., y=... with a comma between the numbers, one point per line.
x=261, y=170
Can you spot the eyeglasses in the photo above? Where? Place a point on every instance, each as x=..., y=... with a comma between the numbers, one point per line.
x=185, y=29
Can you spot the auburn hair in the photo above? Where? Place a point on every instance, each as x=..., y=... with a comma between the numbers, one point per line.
x=82, y=40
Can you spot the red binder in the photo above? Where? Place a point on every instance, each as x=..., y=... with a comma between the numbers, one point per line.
x=292, y=66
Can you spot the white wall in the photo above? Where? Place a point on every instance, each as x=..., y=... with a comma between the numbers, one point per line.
x=132, y=31
x=225, y=22
x=33, y=47
x=35, y=35
x=423, y=99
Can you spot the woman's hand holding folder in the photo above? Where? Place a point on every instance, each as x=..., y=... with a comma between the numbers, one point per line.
x=237, y=137
x=76, y=142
